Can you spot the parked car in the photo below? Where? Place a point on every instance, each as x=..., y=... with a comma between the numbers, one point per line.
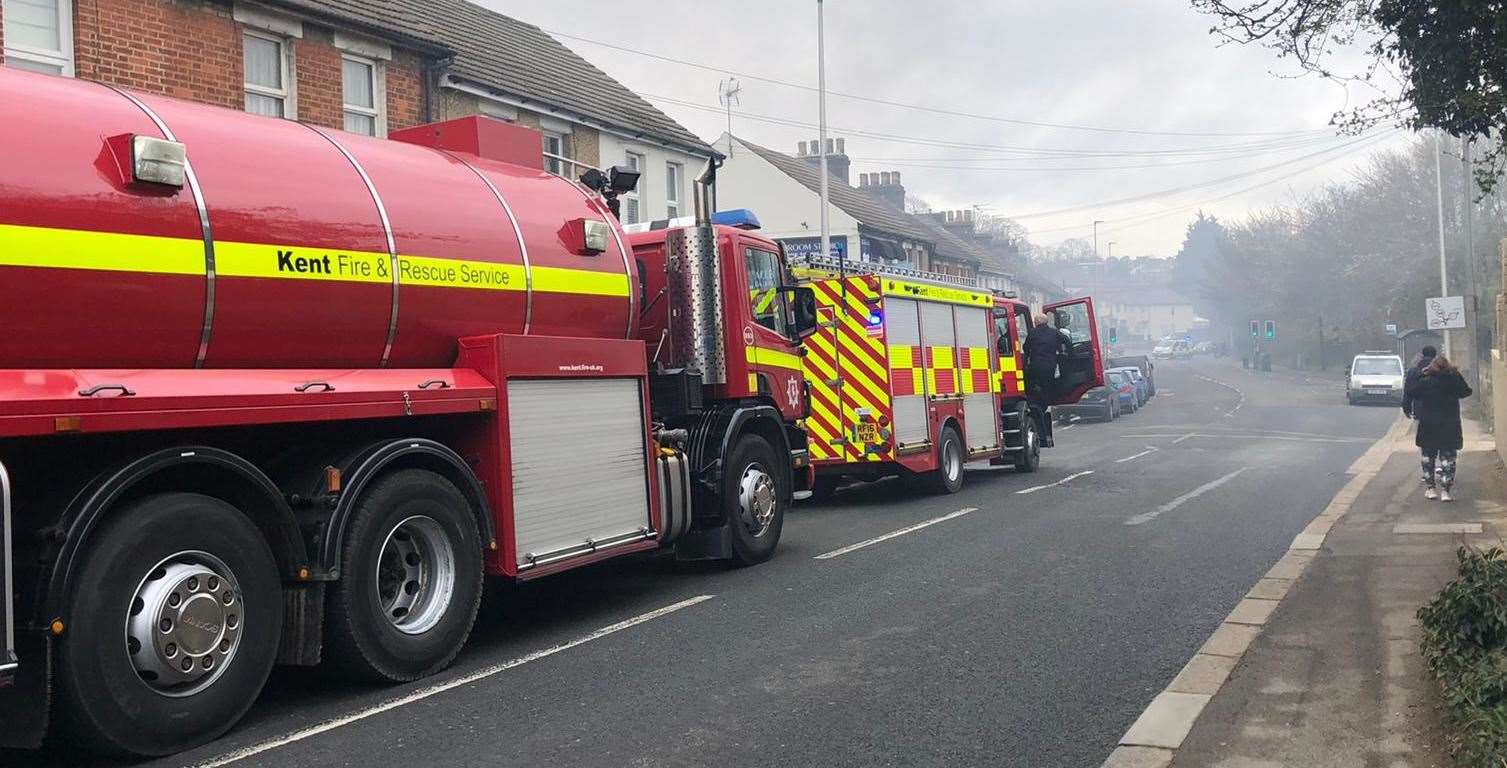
x=1142, y=387
x=1100, y=403
x=1125, y=389
x=1375, y=377
x=1142, y=363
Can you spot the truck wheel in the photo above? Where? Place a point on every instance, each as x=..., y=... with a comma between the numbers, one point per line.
x=174, y=624
x=410, y=586
x=1029, y=456
x=754, y=498
x=948, y=476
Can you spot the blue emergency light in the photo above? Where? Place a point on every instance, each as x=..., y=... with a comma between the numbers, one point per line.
x=738, y=218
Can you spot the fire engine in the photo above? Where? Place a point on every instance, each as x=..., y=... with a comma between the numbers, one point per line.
x=276, y=394
x=917, y=373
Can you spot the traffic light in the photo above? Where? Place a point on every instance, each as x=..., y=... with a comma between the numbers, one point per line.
x=1114, y=335
x=1271, y=329
x=1255, y=329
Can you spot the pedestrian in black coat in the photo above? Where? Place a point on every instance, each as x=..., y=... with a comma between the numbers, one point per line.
x=1041, y=348
x=1425, y=356
x=1435, y=395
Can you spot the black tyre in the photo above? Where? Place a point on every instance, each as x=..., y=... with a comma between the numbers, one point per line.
x=1028, y=458
x=948, y=476
x=411, y=581
x=754, y=499
x=1109, y=412
x=174, y=624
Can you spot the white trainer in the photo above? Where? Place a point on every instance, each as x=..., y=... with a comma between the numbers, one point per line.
x=1444, y=496
x=1430, y=494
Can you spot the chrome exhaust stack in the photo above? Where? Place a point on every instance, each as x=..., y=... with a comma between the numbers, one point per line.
x=697, y=319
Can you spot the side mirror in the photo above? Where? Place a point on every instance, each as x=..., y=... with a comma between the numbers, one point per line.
x=802, y=302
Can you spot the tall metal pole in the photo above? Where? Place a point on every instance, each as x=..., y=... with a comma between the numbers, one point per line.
x=821, y=133
x=1478, y=353
x=1097, y=222
x=1439, y=200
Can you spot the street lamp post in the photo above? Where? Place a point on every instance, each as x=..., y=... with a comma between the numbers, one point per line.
x=1097, y=222
x=821, y=128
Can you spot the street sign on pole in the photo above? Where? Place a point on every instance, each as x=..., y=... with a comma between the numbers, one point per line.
x=1392, y=330
x=1445, y=312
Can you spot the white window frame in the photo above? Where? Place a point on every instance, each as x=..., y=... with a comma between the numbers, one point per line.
x=674, y=172
x=378, y=110
x=643, y=172
x=59, y=58
x=559, y=162
x=290, y=103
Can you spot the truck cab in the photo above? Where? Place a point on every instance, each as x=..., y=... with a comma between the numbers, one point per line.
x=722, y=322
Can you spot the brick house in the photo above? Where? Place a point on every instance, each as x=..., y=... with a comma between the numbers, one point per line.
x=367, y=66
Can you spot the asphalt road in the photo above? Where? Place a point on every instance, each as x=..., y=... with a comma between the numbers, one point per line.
x=1029, y=631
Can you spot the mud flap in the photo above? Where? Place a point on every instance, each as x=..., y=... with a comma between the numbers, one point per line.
x=705, y=544
x=26, y=704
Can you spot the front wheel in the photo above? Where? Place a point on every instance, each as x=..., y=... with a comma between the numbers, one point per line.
x=410, y=582
x=1029, y=456
x=754, y=499
x=173, y=628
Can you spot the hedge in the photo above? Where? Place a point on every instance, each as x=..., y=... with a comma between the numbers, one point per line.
x=1465, y=645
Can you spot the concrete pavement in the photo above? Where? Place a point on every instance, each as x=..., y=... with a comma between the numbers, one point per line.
x=1332, y=676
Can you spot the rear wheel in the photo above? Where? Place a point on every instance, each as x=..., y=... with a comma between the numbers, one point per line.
x=948, y=476
x=1109, y=411
x=410, y=584
x=174, y=625
x=754, y=499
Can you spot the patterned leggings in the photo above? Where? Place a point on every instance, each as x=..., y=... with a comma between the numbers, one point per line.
x=1442, y=462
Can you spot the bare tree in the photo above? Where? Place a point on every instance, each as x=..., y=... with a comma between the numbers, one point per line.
x=1447, y=59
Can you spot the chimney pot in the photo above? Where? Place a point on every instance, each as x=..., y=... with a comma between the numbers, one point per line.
x=800, y=148
x=830, y=147
x=884, y=177
x=897, y=177
x=842, y=148
x=863, y=179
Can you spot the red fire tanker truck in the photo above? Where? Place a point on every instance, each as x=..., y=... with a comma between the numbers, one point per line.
x=275, y=394
x=917, y=373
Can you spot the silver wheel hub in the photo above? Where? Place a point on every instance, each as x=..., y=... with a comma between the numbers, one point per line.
x=184, y=625
x=416, y=575
x=952, y=462
x=756, y=499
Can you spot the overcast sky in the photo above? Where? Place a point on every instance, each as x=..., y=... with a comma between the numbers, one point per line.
x=1135, y=65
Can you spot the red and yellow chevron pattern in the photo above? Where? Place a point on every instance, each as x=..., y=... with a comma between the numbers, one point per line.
x=848, y=369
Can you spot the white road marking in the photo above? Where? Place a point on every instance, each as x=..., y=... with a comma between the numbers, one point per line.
x=1063, y=481
x=893, y=534
x=1133, y=457
x=424, y=693
x=1146, y=517
x=1231, y=387
x=1069, y=426
x=1289, y=438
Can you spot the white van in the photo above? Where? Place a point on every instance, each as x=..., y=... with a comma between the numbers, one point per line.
x=1375, y=377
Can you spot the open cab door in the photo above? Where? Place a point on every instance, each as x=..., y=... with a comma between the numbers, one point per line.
x=1082, y=368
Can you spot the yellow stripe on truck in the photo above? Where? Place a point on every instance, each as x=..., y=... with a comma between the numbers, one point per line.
x=773, y=358
x=50, y=248
x=108, y=251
